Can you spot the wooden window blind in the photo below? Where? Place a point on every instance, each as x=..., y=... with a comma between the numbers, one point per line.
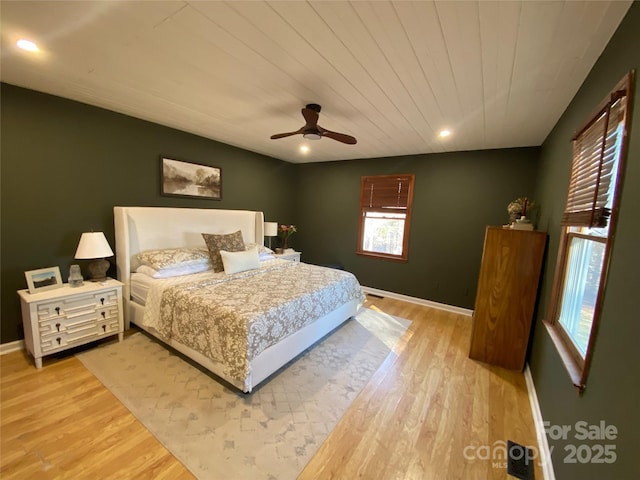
x=594, y=155
x=385, y=198
x=593, y=200
x=387, y=193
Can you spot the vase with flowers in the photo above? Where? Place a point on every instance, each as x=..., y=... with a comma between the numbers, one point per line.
x=284, y=232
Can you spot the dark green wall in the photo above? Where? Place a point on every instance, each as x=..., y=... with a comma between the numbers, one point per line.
x=65, y=165
x=456, y=196
x=614, y=381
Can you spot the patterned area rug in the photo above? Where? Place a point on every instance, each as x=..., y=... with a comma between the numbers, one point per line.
x=220, y=433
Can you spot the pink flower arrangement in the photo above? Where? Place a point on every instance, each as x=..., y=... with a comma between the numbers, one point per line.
x=285, y=231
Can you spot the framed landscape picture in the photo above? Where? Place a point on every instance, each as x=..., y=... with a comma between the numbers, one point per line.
x=43, y=279
x=186, y=179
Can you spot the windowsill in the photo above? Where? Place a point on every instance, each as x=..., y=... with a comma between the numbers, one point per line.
x=383, y=256
x=574, y=369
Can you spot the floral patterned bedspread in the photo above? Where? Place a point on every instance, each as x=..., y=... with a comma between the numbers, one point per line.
x=233, y=318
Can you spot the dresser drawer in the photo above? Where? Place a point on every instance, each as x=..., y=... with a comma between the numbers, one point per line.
x=107, y=313
x=76, y=335
x=108, y=327
x=59, y=324
x=77, y=304
x=108, y=297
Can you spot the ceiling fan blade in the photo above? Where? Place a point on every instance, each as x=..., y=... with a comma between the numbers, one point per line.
x=340, y=137
x=310, y=116
x=288, y=134
x=312, y=131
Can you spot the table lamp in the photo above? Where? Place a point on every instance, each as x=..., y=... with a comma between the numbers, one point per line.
x=94, y=246
x=270, y=230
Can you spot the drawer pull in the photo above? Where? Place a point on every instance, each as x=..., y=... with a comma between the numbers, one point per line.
x=104, y=328
x=104, y=315
x=58, y=340
x=58, y=326
x=58, y=310
x=102, y=300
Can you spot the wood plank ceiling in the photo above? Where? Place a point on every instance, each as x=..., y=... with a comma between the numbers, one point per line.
x=393, y=74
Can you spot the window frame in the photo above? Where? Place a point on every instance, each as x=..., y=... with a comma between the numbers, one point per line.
x=578, y=366
x=364, y=208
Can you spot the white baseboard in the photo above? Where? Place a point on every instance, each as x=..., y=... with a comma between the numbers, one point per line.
x=419, y=301
x=19, y=344
x=543, y=443
x=11, y=347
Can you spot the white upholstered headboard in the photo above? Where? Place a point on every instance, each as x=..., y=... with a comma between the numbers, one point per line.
x=147, y=228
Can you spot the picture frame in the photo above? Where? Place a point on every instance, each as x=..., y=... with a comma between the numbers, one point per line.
x=187, y=179
x=43, y=279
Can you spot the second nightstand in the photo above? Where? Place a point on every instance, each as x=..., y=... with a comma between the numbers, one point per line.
x=291, y=256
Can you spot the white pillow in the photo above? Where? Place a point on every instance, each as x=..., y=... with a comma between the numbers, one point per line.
x=173, y=271
x=235, y=262
x=261, y=248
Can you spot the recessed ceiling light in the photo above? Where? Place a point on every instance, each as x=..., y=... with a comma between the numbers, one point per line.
x=304, y=149
x=444, y=133
x=27, y=45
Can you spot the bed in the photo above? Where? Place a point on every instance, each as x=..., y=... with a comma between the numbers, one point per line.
x=241, y=326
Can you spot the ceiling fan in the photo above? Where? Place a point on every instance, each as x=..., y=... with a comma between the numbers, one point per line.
x=313, y=131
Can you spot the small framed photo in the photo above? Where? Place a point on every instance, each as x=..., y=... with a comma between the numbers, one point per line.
x=43, y=279
x=185, y=179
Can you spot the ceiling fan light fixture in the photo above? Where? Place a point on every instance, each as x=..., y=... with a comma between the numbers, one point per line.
x=312, y=136
x=312, y=131
x=27, y=45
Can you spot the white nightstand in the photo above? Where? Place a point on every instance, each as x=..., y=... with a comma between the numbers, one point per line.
x=55, y=320
x=291, y=256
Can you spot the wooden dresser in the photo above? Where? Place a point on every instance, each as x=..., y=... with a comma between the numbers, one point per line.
x=506, y=296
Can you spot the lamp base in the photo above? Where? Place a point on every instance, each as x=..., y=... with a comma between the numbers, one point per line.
x=98, y=270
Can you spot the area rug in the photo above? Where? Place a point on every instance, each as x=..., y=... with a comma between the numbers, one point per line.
x=216, y=431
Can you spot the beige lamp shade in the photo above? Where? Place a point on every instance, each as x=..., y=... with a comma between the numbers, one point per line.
x=93, y=245
x=270, y=229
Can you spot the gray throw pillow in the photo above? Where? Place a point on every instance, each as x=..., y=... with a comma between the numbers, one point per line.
x=230, y=242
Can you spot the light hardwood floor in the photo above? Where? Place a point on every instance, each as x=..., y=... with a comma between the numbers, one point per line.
x=428, y=413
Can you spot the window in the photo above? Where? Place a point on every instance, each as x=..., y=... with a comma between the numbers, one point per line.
x=385, y=216
x=587, y=227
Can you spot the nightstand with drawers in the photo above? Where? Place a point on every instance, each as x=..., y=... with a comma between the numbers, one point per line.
x=63, y=318
x=292, y=256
